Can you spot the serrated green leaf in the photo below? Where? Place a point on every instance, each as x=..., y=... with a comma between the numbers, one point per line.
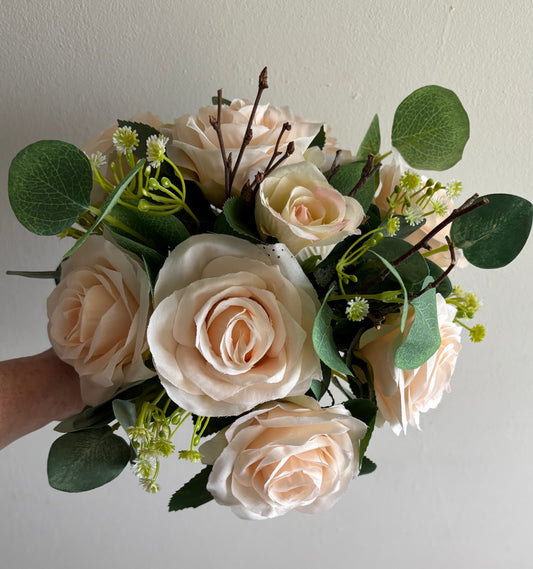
x=367, y=466
x=431, y=128
x=345, y=179
x=323, y=341
x=144, y=131
x=214, y=101
x=49, y=186
x=85, y=460
x=423, y=339
x=492, y=235
x=107, y=206
x=193, y=493
x=320, y=139
x=240, y=218
x=371, y=142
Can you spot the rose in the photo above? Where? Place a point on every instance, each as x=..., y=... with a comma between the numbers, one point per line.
x=287, y=455
x=232, y=325
x=390, y=175
x=195, y=149
x=403, y=394
x=98, y=315
x=296, y=205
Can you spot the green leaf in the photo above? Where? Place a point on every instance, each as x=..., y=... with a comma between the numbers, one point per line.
x=397, y=276
x=107, y=206
x=362, y=409
x=36, y=274
x=309, y=264
x=193, y=493
x=345, y=179
x=320, y=139
x=152, y=258
x=240, y=218
x=431, y=128
x=49, y=186
x=371, y=142
x=159, y=232
x=492, y=235
x=85, y=460
x=445, y=287
x=144, y=131
x=323, y=341
x=214, y=101
x=125, y=413
x=424, y=338
x=367, y=466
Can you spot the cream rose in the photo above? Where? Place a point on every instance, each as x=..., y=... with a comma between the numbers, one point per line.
x=98, y=315
x=287, y=455
x=390, y=175
x=195, y=149
x=232, y=325
x=297, y=206
x=403, y=394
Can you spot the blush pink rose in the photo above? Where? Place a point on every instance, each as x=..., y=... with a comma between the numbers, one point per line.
x=195, y=149
x=296, y=205
x=98, y=315
x=403, y=394
x=287, y=455
x=232, y=326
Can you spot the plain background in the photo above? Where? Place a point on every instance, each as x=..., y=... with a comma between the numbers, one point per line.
x=457, y=494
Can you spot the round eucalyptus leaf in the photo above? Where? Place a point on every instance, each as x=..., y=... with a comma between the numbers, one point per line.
x=492, y=235
x=49, y=186
x=431, y=128
x=85, y=460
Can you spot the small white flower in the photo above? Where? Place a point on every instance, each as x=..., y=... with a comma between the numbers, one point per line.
x=97, y=160
x=155, y=149
x=439, y=207
x=454, y=189
x=414, y=214
x=125, y=138
x=357, y=309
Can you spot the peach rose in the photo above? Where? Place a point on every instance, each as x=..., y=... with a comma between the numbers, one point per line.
x=98, y=315
x=232, y=325
x=296, y=205
x=390, y=175
x=287, y=455
x=194, y=146
x=403, y=394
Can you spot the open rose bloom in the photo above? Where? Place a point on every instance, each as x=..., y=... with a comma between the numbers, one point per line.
x=266, y=322
x=287, y=455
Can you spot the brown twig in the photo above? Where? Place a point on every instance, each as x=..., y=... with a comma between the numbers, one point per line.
x=248, y=135
x=470, y=205
x=285, y=128
x=226, y=160
x=369, y=169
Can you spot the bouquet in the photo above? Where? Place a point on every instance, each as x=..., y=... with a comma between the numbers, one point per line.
x=237, y=275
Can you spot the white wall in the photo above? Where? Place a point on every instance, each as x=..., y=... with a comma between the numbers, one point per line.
x=459, y=493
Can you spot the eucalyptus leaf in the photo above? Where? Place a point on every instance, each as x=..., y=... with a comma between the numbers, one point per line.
x=431, y=128
x=125, y=413
x=423, y=339
x=193, y=493
x=323, y=341
x=85, y=460
x=371, y=142
x=445, y=287
x=214, y=101
x=107, y=206
x=49, y=186
x=158, y=232
x=492, y=235
x=362, y=409
x=347, y=176
x=144, y=131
